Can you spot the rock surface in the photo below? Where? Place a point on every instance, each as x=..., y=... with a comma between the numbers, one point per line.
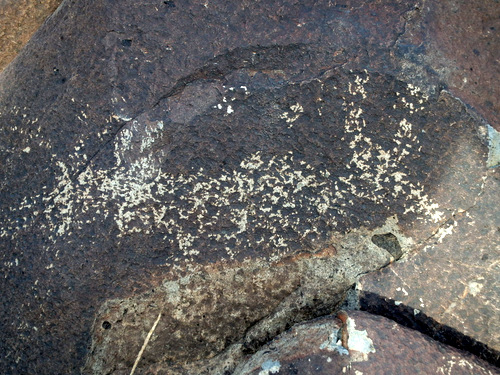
x=464, y=38
x=19, y=19
x=461, y=264
x=191, y=179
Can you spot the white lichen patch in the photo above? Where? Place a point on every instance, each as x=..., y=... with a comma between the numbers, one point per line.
x=268, y=199
x=270, y=367
x=334, y=344
x=374, y=165
x=359, y=340
x=445, y=231
x=494, y=147
x=453, y=364
x=359, y=344
x=297, y=110
x=475, y=288
x=357, y=87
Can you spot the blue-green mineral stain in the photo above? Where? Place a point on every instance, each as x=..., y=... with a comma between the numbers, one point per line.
x=270, y=367
x=494, y=149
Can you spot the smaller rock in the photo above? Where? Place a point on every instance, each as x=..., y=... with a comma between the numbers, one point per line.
x=448, y=290
x=376, y=346
x=389, y=242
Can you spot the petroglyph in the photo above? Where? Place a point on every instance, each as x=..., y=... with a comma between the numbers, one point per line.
x=278, y=198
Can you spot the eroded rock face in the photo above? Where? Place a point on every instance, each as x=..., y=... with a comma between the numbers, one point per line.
x=261, y=170
x=204, y=312
x=218, y=180
x=466, y=33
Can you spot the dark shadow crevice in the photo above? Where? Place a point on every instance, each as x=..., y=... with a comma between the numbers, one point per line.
x=415, y=319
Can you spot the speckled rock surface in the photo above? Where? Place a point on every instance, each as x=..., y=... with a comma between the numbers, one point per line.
x=19, y=19
x=190, y=179
x=376, y=346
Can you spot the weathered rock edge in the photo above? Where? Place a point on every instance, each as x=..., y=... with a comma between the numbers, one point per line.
x=232, y=310
x=19, y=19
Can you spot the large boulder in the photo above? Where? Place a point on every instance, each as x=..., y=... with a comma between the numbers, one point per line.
x=184, y=181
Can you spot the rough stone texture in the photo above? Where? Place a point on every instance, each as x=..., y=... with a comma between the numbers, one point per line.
x=376, y=346
x=459, y=39
x=258, y=300
x=464, y=37
x=222, y=166
x=461, y=264
x=19, y=19
x=494, y=147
